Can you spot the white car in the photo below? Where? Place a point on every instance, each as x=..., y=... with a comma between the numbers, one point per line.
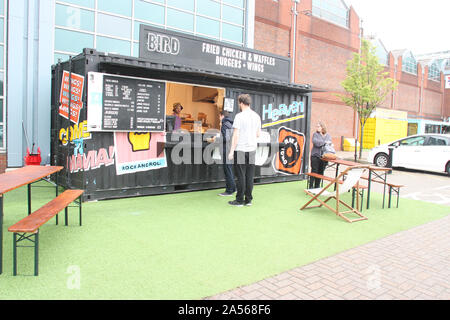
x=429, y=152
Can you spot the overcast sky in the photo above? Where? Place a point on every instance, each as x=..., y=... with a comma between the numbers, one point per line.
x=418, y=25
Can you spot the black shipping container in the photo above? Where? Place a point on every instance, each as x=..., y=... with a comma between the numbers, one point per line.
x=102, y=182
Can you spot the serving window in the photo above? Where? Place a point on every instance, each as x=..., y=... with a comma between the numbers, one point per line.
x=201, y=106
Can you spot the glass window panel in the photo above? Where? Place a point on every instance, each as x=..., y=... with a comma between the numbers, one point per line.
x=135, y=49
x=208, y=8
x=149, y=12
x=72, y=41
x=234, y=15
x=2, y=7
x=233, y=33
x=63, y=57
x=74, y=18
x=1, y=83
x=331, y=10
x=208, y=27
x=2, y=39
x=180, y=20
x=113, y=26
x=2, y=57
x=238, y=3
x=122, y=7
x=82, y=3
x=182, y=4
x=409, y=64
x=416, y=141
x=113, y=45
x=1, y=136
x=1, y=110
x=137, y=28
x=434, y=72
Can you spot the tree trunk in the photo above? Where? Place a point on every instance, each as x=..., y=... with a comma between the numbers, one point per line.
x=356, y=142
x=361, y=141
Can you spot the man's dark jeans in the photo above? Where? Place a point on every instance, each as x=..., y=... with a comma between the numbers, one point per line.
x=244, y=169
x=229, y=178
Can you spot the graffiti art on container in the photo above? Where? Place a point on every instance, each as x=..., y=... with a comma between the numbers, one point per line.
x=272, y=115
x=92, y=159
x=71, y=91
x=289, y=159
x=77, y=132
x=139, y=151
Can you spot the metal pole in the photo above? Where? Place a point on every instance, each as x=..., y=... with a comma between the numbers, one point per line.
x=294, y=42
x=29, y=198
x=80, y=209
x=390, y=159
x=36, y=253
x=369, y=183
x=15, y=254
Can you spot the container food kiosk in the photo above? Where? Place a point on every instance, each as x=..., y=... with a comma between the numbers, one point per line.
x=119, y=140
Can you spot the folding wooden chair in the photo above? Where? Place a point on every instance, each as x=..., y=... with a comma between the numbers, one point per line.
x=352, y=176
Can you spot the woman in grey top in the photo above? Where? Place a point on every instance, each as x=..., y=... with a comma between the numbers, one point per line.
x=319, y=139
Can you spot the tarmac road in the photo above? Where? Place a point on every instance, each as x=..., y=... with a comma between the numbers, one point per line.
x=418, y=185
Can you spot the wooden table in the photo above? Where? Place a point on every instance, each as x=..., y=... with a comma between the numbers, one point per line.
x=14, y=179
x=378, y=172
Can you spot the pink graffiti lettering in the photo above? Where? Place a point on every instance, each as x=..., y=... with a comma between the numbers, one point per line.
x=92, y=160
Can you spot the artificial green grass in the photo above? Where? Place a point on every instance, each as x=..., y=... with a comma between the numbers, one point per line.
x=187, y=245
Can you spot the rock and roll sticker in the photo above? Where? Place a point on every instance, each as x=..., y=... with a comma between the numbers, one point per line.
x=289, y=159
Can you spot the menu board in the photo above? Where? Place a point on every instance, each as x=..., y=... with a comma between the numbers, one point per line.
x=119, y=103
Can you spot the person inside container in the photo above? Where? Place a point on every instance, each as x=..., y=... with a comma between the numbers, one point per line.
x=226, y=130
x=177, y=107
x=319, y=139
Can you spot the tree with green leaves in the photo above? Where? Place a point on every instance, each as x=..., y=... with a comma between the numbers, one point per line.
x=366, y=86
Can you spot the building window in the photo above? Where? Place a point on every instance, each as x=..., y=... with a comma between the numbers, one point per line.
x=331, y=10
x=409, y=63
x=447, y=64
x=434, y=73
x=381, y=52
x=3, y=38
x=113, y=25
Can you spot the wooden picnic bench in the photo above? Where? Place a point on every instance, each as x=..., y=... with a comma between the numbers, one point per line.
x=392, y=188
x=359, y=186
x=29, y=226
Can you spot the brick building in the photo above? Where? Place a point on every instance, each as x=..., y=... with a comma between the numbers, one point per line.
x=327, y=34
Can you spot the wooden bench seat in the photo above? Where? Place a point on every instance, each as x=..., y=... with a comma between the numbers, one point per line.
x=392, y=188
x=382, y=182
x=32, y=223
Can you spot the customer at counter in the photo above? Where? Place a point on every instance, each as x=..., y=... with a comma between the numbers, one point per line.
x=247, y=128
x=226, y=130
x=177, y=107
